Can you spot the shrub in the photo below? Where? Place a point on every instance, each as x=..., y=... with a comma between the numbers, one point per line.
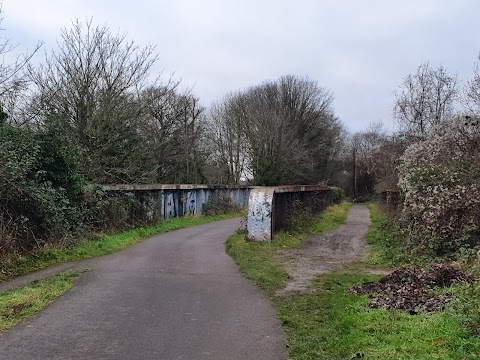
x=440, y=179
x=112, y=211
x=39, y=189
x=44, y=199
x=338, y=194
x=219, y=205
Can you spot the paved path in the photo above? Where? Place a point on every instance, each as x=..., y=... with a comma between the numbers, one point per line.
x=321, y=254
x=173, y=296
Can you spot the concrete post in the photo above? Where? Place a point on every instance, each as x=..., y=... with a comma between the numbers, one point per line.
x=260, y=204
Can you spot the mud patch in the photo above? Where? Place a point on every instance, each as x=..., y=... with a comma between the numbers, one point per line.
x=414, y=290
x=325, y=253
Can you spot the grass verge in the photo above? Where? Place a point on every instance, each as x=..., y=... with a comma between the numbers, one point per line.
x=332, y=323
x=102, y=245
x=18, y=304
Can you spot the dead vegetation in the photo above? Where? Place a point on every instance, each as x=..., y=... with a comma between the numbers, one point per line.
x=414, y=290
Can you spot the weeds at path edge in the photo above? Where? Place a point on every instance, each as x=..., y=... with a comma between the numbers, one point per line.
x=18, y=304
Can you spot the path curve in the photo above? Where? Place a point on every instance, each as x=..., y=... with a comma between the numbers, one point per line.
x=173, y=296
x=321, y=254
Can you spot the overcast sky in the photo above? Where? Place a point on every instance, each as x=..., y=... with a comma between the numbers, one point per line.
x=360, y=50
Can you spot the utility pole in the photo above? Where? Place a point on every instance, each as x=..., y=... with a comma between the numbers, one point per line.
x=354, y=172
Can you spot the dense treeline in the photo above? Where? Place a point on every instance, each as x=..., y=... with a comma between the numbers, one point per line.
x=96, y=88
x=279, y=132
x=89, y=114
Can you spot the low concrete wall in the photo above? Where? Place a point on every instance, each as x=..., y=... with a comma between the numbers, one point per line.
x=179, y=200
x=269, y=207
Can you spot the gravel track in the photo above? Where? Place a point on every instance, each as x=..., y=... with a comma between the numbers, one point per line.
x=321, y=254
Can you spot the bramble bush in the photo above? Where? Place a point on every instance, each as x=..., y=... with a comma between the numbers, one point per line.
x=44, y=201
x=440, y=179
x=39, y=189
x=110, y=211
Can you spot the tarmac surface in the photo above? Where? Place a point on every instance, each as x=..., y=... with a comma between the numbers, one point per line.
x=173, y=296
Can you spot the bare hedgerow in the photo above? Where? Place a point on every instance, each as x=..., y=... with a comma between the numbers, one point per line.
x=440, y=179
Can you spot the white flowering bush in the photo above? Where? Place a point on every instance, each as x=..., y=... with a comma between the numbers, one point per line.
x=440, y=179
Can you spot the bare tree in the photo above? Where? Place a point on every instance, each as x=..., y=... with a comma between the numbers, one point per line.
x=190, y=133
x=472, y=91
x=425, y=99
x=366, y=143
x=89, y=88
x=13, y=78
x=377, y=156
x=292, y=131
x=281, y=131
x=172, y=125
x=227, y=141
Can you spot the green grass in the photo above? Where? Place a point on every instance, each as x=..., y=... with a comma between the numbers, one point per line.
x=385, y=241
x=18, y=304
x=257, y=260
x=332, y=323
x=102, y=245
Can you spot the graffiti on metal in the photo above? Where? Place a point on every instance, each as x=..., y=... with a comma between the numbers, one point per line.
x=170, y=208
x=169, y=201
x=190, y=203
x=241, y=198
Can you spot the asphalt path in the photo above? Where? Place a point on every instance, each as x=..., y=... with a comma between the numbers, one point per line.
x=173, y=296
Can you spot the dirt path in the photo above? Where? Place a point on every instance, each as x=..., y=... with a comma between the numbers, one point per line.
x=321, y=254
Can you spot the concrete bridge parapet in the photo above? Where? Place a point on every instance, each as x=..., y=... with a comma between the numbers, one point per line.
x=269, y=208
x=176, y=200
